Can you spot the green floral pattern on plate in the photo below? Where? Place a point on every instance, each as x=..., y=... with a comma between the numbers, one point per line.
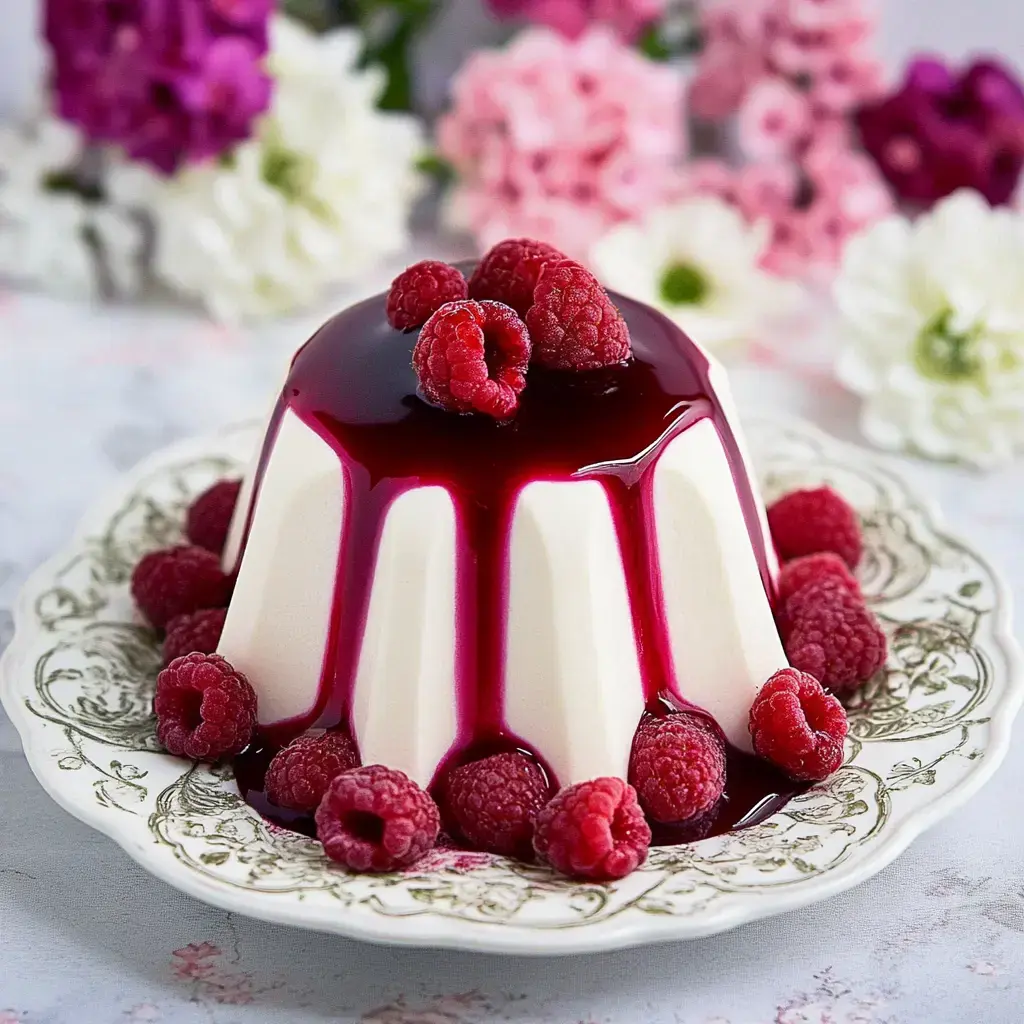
x=924, y=733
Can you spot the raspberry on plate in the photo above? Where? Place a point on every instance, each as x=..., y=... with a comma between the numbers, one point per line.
x=195, y=632
x=209, y=516
x=204, y=708
x=177, y=581
x=831, y=633
x=508, y=272
x=573, y=323
x=677, y=767
x=494, y=802
x=797, y=574
x=593, y=830
x=376, y=819
x=808, y=522
x=473, y=357
x=797, y=725
x=421, y=290
x=300, y=773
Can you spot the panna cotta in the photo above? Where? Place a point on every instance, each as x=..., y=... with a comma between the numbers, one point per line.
x=447, y=586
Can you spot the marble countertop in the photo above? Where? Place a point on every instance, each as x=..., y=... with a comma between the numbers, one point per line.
x=86, y=937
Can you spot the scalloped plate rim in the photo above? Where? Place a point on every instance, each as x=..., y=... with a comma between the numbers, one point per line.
x=498, y=937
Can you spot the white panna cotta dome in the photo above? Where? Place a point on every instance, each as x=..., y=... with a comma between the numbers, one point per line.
x=441, y=584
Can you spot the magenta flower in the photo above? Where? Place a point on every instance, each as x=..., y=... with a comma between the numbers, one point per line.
x=170, y=81
x=941, y=131
x=628, y=18
x=560, y=139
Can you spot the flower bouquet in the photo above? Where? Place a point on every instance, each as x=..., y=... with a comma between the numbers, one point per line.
x=215, y=147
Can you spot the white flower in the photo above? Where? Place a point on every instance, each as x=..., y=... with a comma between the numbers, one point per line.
x=51, y=237
x=933, y=317
x=698, y=262
x=321, y=194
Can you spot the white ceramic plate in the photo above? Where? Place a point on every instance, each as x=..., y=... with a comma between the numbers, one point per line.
x=77, y=682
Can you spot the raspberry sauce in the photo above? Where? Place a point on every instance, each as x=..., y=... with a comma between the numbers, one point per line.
x=353, y=384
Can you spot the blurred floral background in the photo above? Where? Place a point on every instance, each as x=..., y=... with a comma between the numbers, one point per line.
x=735, y=163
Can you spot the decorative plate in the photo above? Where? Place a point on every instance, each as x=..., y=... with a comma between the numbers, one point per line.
x=77, y=682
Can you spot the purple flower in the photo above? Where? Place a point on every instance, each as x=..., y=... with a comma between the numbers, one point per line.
x=941, y=131
x=170, y=81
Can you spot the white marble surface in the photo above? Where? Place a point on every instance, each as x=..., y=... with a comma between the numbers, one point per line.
x=86, y=937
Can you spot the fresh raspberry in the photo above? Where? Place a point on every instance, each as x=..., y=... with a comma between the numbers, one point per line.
x=800, y=572
x=209, y=517
x=677, y=767
x=473, y=357
x=204, y=708
x=196, y=632
x=509, y=272
x=830, y=633
x=797, y=725
x=807, y=522
x=573, y=323
x=593, y=830
x=299, y=774
x=494, y=802
x=419, y=292
x=177, y=581
x=376, y=819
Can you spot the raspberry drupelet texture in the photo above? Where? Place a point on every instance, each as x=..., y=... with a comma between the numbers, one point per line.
x=299, y=774
x=797, y=725
x=831, y=634
x=421, y=290
x=677, y=767
x=594, y=830
x=204, y=708
x=376, y=819
x=209, y=516
x=494, y=802
x=797, y=574
x=177, y=581
x=473, y=357
x=808, y=522
x=197, y=632
x=573, y=323
x=508, y=272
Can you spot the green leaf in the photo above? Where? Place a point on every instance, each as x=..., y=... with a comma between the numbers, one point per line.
x=970, y=589
x=652, y=45
x=435, y=166
x=217, y=858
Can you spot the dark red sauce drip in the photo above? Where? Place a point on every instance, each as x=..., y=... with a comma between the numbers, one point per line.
x=354, y=385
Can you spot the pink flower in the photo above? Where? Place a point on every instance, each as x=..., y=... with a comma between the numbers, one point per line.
x=846, y=81
x=836, y=194
x=628, y=18
x=723, y=77
x=773, y=121
x=803, y=53
x=733, y=57
x=767, y=191
x=707, y=178
x=850, y=183
x=561, y=139
x=828, y=14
